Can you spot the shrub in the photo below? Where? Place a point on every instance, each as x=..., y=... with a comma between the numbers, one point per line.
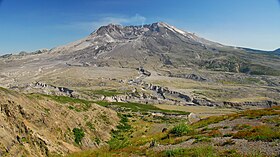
x=174, y=152
x=79, y=135
x=242, y=127
x=200, y=138
x=90, y=126
x=118, y=143
x=97, y=141
x=181, y=129
x=215, y=133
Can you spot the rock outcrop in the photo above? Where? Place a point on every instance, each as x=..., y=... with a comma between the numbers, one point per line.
x=263, y=104
x=50, y=89
x=194, y=77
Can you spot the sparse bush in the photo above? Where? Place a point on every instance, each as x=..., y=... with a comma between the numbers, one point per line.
x=200, y=138
x=181, y=129
x=215, y=133
x=97, y=140
x=203, y=151
x=90, y=126
x=79, y=135
x=242, y=127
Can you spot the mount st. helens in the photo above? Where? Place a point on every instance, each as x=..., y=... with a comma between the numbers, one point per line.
x=127, y=81
x=158, y=45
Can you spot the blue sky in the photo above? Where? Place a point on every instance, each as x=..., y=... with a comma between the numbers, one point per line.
x=27, y=25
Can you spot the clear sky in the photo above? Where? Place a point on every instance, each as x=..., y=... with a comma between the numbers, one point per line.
x=27, y=25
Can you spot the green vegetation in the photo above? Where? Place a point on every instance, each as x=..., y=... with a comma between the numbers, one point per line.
x=209, y=120
x=78, y=105
x=259, y=133
x=135, y=135
x=242, y=127
x=250, y=114
x=4, y=89
x=181, y=129
x=273, y=120
x=108, y=93
x=254, y=114
x=97, y=140
x=24, y=139
x=204, y=151
x=257, y=69
x=66, y=99
x=174, y=152
x=90, y=126
x=137, y=107
x=119, y=137
x=200, y=138
x=79, y=135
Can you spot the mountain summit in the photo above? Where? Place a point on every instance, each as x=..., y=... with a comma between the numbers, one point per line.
x=156, y=45
x=136, y=44
x=117, y=33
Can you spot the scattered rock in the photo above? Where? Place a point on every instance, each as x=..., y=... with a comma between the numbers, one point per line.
x=193, y=118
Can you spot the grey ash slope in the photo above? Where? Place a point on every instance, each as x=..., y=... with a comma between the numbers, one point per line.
x=159, y=44
x=154, y=46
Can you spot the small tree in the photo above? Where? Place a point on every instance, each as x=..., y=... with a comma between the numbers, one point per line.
x=79, y=134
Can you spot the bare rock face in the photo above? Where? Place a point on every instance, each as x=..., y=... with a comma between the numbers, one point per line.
x=50, y=89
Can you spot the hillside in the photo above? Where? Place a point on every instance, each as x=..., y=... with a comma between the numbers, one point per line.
x=247, y=133
x=41, y=125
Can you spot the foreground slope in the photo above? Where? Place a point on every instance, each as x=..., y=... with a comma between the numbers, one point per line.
x=39, y=125
x=248, y=133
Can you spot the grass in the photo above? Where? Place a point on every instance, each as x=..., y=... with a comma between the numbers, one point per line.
x=65, y=100
x=201, y=138
x=255, y=114
x=119, y=138
x=204, y=151
x=250, y=114
x=103, y=92
x=272, y=120
x=242, y=127
x=259, y=133
x=75, y=104
x=181, y=130
x=201, y=111
x=215, y=133
x=209, y=120
x=137, y=107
